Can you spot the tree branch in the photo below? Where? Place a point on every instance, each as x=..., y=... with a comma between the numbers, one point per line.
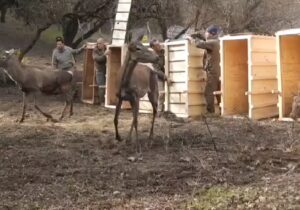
x=33, y=42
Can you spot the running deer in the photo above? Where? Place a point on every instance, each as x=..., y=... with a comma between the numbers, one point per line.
x=32, y=80
x=137, y=81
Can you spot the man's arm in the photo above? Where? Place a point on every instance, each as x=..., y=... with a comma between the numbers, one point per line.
x=79, y=50
x=208, y=45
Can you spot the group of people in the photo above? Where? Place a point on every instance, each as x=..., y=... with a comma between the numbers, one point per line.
x=63, y=59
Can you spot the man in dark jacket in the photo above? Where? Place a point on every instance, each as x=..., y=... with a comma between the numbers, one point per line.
x=211, y=63
x=99, y=55
x=160, y=70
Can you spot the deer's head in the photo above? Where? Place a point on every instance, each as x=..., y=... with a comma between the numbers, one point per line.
x=4, y=57
x=141, y=53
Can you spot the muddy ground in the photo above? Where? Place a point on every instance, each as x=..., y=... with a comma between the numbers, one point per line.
x=77, y=164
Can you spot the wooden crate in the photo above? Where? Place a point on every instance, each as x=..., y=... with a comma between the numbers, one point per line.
x=89, y=85
x=248, y=76
x=185, y=97
x=114, y=74
x=288, y=69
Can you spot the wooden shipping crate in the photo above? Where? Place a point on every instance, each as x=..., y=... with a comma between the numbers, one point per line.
x=113, y=77
x=114, y=74
x=288, y=69
x=184, y=65
x=248, y=76
x=89, y=85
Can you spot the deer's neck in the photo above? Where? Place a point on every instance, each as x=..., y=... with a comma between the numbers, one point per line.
x=128, y=70
x=15, y=70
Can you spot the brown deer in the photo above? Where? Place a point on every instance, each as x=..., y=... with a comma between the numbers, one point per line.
x=137, y=81
x=32, y=80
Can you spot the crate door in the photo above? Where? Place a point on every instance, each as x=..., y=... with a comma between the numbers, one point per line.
x=263, y=85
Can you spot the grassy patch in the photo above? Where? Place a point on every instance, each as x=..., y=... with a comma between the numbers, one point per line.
x=221, y=197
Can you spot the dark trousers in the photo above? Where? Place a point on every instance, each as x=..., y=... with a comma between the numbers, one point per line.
x=101, y=81
x=212, y=85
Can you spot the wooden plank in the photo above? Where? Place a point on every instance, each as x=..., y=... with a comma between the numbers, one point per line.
x=123, y=7
x=125, y=1
x=174, y=48
x=263, y=85
x=178, y=87
x=196, y=74
x=178, y=76
x=195, y=51
x=145, y=105
x=177, y=108
x=195, y=62
x=120, y=26
x=196, y=99
x=261, y=44
x=264, y=58
x=177, y=56
x=264, y=71
x=122, y=17
x=196, y=111
x=178, y=98
x=179, y=66
x=118, y=34
x=263, y=113
x=196, y=87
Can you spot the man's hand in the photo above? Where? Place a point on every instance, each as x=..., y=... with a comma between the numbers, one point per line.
x=191, y=39
x=107, y=52
x=169, y=81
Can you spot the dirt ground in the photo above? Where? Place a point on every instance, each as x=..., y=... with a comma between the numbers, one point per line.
x=77, y=164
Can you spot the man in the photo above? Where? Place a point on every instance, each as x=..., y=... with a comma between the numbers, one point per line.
x=99, y=55
x=211, y=63
x=62, y=56
x=160, y=70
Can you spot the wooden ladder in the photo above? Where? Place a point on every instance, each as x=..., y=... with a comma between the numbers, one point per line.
x=121, y=22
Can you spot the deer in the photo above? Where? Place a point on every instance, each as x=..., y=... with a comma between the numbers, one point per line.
x=32, y=80
x=137, y=80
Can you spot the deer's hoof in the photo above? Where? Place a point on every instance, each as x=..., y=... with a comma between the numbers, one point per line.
x=118, y=138
x=20, y=121
x=54, y=120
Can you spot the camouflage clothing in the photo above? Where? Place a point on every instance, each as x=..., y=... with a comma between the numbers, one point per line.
x=211, y=65
x=160, y=69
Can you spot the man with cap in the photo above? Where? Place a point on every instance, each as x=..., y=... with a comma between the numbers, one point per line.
x=160, y=70
x=62, y=56
x=211, y=63
x=99, y=55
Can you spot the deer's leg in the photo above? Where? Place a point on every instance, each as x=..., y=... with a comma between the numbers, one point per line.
x=135, y=110
x=23, y=108
x=153, y=98
x=116, y=119
x=68, y=103
x=48, y=116
x=64, y=110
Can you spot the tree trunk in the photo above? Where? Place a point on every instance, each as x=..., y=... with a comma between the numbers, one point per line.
x=33, y=42
x=3, y=14
x=87, y=34
x=70, y=28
